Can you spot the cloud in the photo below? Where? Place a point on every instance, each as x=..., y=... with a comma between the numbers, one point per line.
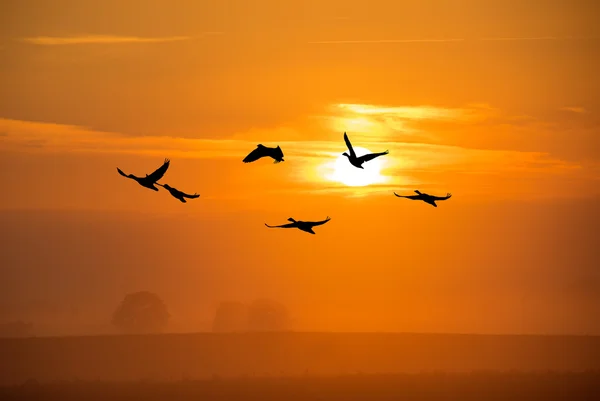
x=411, y=112
x=400, y=123
x=530, y=38
x=99, y=39
x=578, y=110
x=383, y=41
x=450, y=40
x=309, y=162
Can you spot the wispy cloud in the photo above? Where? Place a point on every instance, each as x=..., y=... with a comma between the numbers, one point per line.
x=312, y=163
x=99, y=39
x=450, y=40
x=387, y=122
x=411, y=112
x=329, y=42
x=578, y=110
x=534, y=38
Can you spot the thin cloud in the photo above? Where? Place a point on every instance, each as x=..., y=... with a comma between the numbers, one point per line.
x=396, y=122
x=449, y=40
x=99, y=39
x=312, y=160
x=533, y=38
x=329, y=42
x=578, y=110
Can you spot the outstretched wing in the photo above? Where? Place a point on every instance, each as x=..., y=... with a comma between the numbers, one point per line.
x=371, y=156
x=448, y=195
x=190, y=196
x=255, y=155
x=290, y=225
x=407, y=196
x=159, y=172
x=318, y=223
x=122, y=173
x=431, y=202
x=349, y=145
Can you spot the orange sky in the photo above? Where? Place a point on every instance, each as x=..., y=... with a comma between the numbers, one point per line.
x=496, y=102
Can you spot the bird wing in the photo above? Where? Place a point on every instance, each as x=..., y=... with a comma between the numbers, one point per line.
x=448, y=195
x=159, y=172
x=190, y=196
x=275, y=153
x=254, y=155
x=122, y=173
x=290, y=225
x=407, y=196
x=318, y=223
x=349, y=145
x=431, y=202
x=371, y=156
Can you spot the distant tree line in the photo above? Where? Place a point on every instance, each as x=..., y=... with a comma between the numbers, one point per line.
x=144, y=312
x=260, y=315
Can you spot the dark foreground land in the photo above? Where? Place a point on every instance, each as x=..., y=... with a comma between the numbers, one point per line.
x=489, y=386
x=70, y=367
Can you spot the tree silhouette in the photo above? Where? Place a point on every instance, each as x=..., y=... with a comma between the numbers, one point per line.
x=231, y=316
x=268, y=315
x=141, y=312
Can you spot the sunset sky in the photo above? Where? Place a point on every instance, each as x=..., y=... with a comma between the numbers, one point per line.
x=496, y=102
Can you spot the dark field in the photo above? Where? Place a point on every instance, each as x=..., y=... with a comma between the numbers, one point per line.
x=290, y=366
x=488, y=386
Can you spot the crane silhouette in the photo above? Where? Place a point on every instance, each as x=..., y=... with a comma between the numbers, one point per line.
x=264, y=151
x=430, y=199
x=177, y=194
x=149, y=180
x=306, y=226
x=358, y=161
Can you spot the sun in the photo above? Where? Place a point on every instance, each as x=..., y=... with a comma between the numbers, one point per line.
x=351, y=176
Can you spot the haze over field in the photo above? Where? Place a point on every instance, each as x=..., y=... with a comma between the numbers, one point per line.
x=496, y=102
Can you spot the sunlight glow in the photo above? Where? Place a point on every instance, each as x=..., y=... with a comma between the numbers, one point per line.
x=342, y=171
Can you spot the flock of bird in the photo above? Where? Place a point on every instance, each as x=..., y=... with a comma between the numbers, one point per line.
x=151, y=180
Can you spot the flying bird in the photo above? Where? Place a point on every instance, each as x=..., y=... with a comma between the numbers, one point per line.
x=177, y=194
x=149, y=180
x=264, y=151
x=358, y=161
x=425, y=197
x=306, y=226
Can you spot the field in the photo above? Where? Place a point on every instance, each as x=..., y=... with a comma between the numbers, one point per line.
x=477, y=386
x=298, y=366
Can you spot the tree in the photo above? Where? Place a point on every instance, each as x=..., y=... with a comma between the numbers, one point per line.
x=268, y=315
x=141, y=312
x=231, y=316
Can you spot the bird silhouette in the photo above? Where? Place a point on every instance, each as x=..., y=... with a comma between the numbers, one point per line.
x=306, y=226
x=264, y=151
x=177, y=194
x=358, y=161
x=425, y=197
x=149, y=180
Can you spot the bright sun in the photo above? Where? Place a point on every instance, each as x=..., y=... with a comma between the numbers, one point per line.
x=349, y=175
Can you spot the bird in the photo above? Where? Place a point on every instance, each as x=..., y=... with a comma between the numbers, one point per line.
x=264, y=151
x=177, y=194
x=430, y=199
x=306, y=226
x=358, y=161
x=149, y=180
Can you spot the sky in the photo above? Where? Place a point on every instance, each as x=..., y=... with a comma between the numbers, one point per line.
x=495, y=102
